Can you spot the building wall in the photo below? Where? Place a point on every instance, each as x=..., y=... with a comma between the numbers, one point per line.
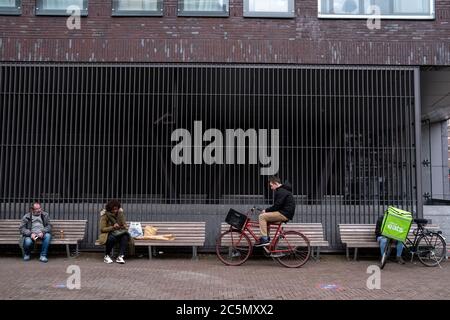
x=305, y=39
x=439, y=215
x=435, y=182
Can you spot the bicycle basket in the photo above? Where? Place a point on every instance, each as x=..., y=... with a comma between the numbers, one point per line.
x=236, y=219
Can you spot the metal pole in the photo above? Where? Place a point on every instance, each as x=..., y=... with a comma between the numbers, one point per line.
x=417, y=143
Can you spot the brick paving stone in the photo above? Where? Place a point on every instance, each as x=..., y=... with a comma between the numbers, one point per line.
x=182, y=278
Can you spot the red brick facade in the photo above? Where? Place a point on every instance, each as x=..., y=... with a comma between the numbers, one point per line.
x=305, y=39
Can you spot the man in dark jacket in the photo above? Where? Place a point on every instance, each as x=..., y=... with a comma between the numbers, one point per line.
x=383, y=241
x=283, y=209
x=35, y=225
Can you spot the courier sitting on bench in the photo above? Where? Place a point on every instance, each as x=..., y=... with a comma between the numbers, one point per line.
x=383, y=241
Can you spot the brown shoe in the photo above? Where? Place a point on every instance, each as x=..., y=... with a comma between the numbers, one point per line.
x=400, y=260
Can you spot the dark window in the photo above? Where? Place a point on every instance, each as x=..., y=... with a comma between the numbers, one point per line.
x=137, y=7
x=61, y=7
x=10, y=7
x=203, y=8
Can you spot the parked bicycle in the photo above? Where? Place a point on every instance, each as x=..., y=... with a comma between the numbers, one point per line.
x=428, y=245
x=290, y=248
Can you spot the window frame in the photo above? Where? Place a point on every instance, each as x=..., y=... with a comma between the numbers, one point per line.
x=182, y=13
x=115, y=12
x=40, y=11
x=431, y=16
x=269, y=14
x=12, y=11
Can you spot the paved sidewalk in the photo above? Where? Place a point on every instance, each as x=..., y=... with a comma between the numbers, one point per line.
x=181, y=278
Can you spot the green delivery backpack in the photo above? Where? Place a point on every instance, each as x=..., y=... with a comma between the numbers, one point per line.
x=396, y=224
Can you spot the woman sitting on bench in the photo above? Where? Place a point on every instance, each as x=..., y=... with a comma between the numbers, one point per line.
x=113, y=228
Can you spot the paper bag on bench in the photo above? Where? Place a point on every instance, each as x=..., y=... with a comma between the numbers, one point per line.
x=150, y=231
x=150, y=234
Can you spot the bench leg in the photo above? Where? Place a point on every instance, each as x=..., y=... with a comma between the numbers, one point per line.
x=150, y=253
x=76, y=250
x=194, y=253
x=318, y=254
x=68, y=251
x=347, y=253
x=356, y=254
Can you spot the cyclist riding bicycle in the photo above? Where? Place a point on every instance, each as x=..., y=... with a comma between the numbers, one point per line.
x=283, y=209
x=383, y=241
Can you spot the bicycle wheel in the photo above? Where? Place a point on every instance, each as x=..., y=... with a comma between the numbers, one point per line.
x=291, y=249
x=386, y=253
x=233, y=247
x=431, y=249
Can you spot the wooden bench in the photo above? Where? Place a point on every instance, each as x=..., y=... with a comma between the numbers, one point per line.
x=313, y=231
x=186, y=234
x=73, y=232
x=363, y=236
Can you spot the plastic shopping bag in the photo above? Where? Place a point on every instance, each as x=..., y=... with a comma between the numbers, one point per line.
x=135, y=229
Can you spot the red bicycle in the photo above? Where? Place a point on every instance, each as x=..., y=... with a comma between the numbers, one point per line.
x=290, y=248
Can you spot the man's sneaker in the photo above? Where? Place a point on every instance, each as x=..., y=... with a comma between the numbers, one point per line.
x=26, y=257
x=120, y=260
x=43, y=259
x=400, y=260
x=263, y=242
x=107, y=259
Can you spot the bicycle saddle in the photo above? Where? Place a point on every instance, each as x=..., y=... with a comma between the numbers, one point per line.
x=421, y=221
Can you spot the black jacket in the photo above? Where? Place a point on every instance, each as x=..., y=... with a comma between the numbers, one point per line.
x=378, y=227
x=283, y=201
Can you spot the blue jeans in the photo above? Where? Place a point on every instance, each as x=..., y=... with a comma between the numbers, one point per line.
x=383, y=240
x=28, y=244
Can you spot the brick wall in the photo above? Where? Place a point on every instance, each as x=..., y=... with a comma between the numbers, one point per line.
x=305, y=39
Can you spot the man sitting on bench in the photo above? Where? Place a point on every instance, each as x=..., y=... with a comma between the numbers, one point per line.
x=383, y=240
x=35, y=225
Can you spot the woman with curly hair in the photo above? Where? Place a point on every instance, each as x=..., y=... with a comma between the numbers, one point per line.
x=113, y=229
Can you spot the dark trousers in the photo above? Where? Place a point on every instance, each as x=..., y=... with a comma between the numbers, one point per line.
x=112, y=240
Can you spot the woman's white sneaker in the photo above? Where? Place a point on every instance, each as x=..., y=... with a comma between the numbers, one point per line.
x=107, y=259
x=120, y=260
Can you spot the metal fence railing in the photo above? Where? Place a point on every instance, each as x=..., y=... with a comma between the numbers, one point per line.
x=164, y=139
